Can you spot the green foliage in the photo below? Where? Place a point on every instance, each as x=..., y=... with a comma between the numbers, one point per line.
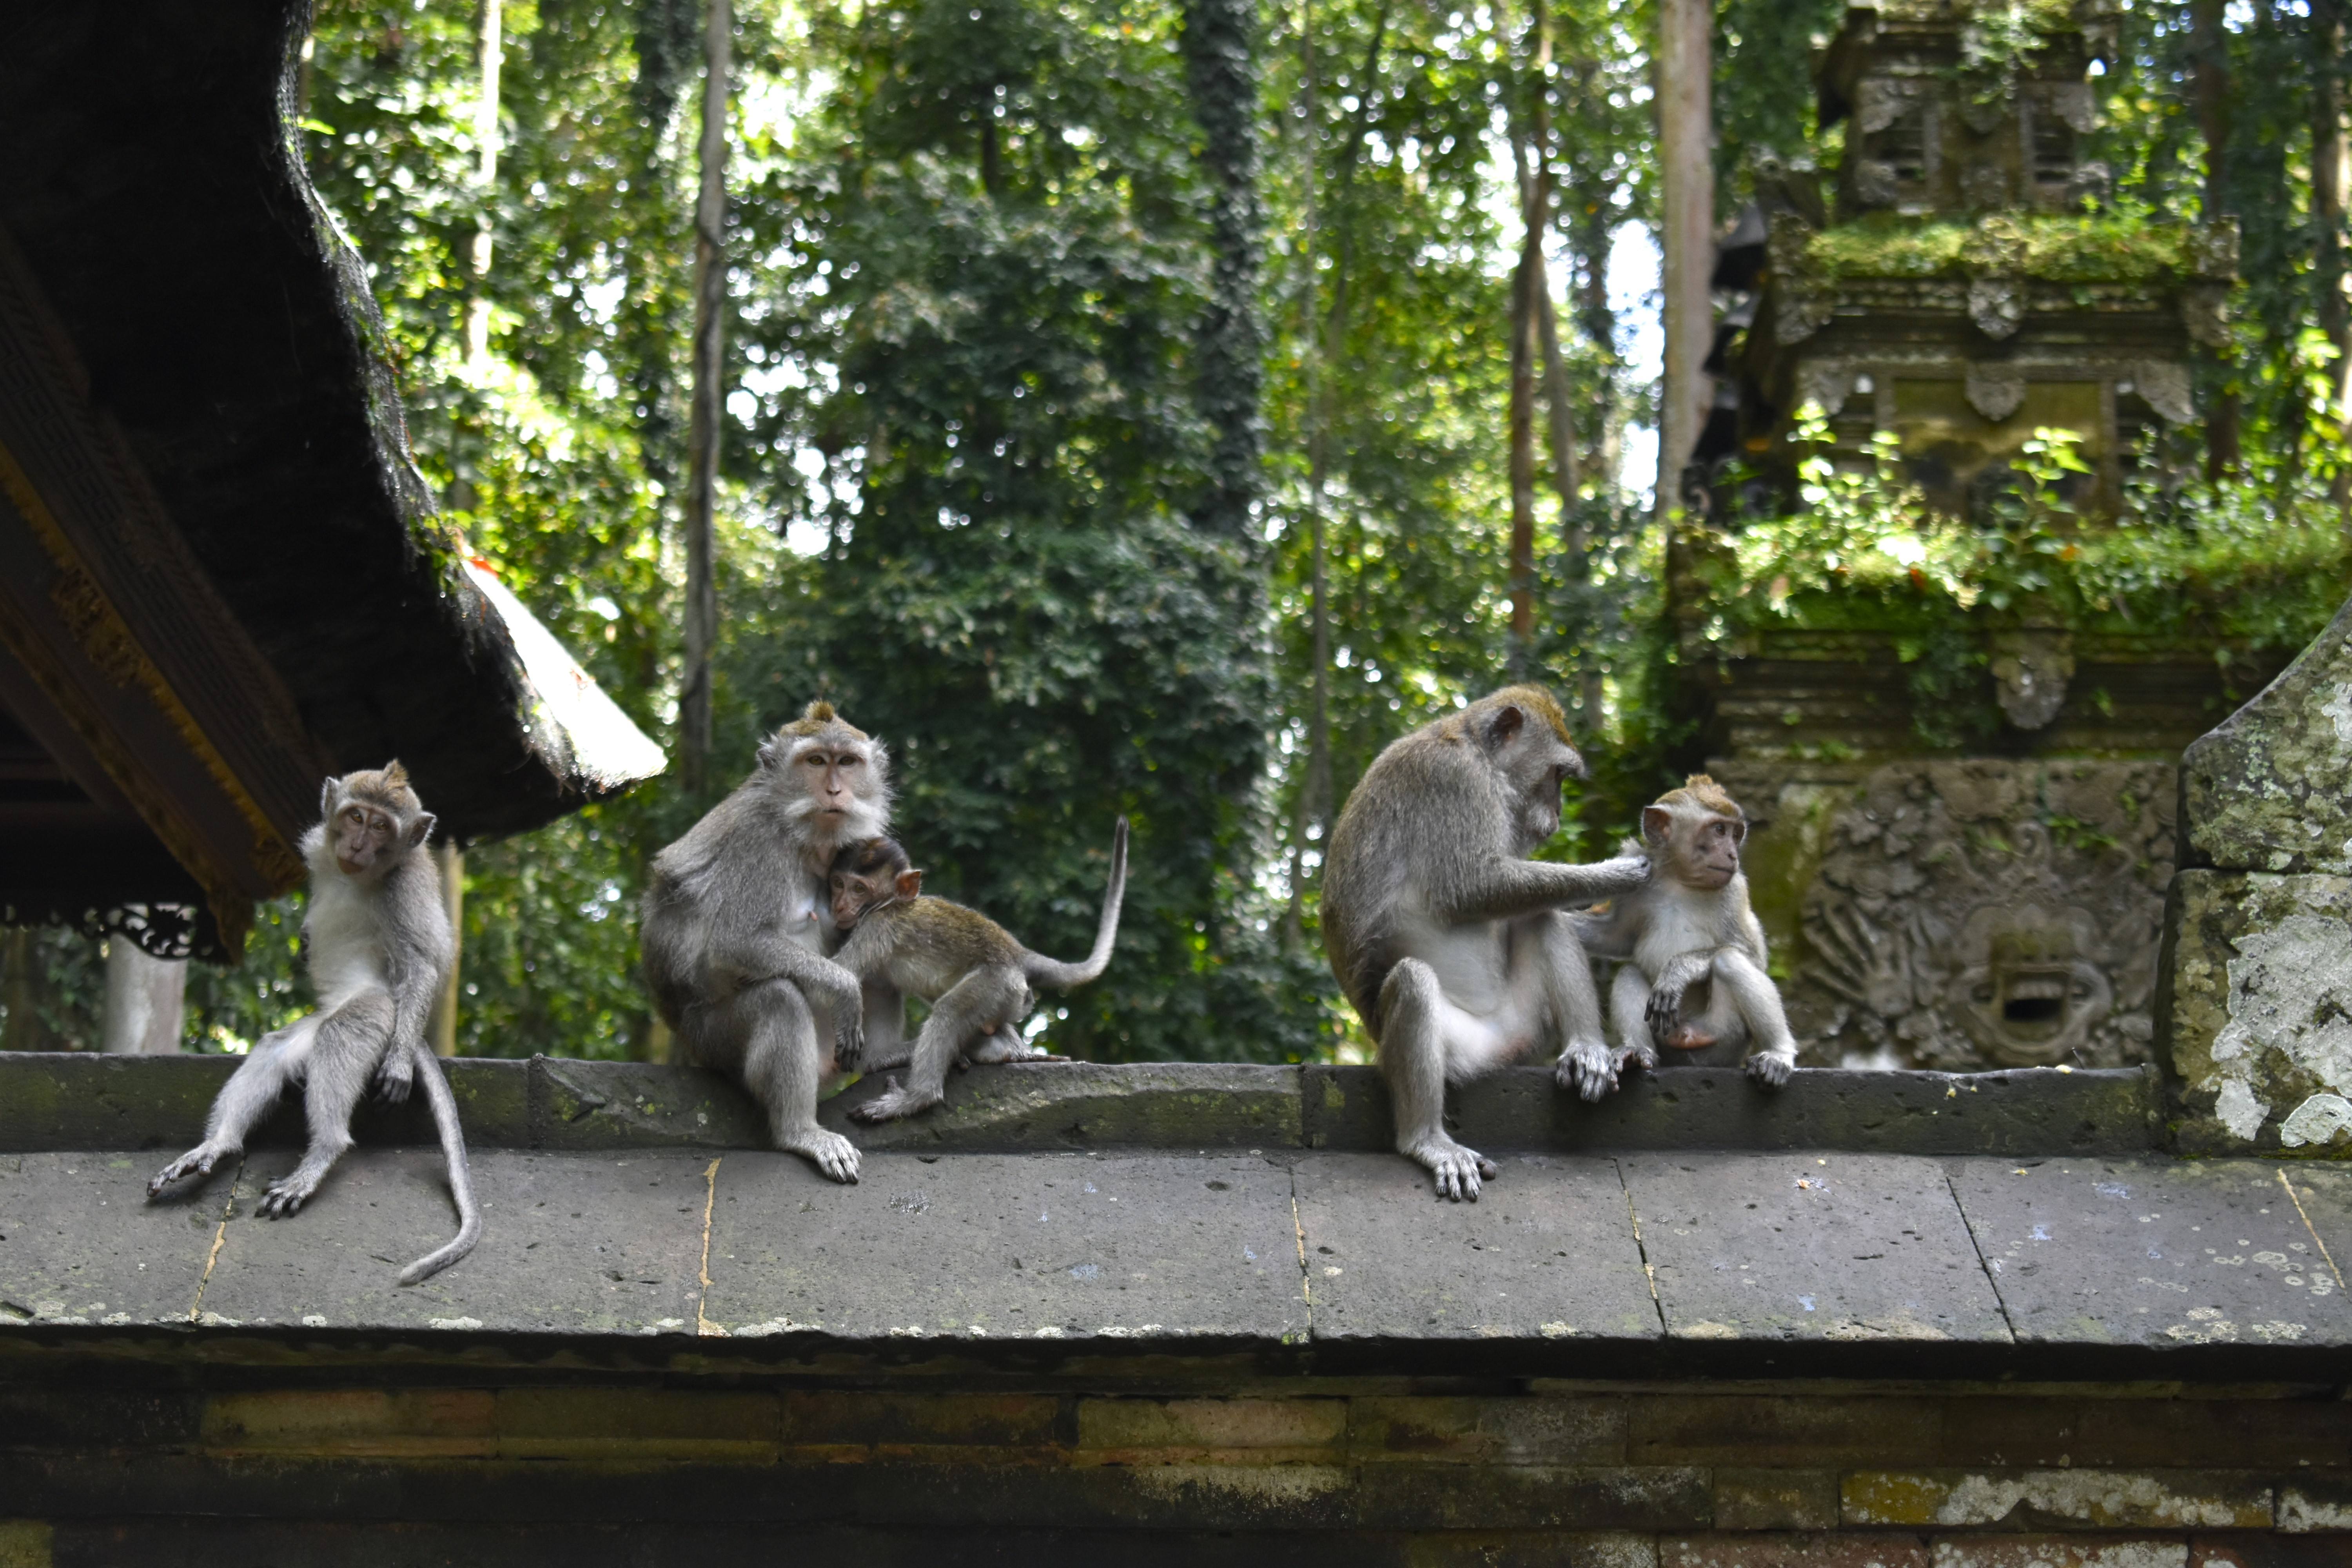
x=2251, y=565
x=2104, y=248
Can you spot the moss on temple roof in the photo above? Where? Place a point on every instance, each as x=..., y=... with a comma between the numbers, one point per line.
x=2059, y=250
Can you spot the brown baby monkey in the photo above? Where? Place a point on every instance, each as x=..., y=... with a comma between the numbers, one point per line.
x=969, y=968
x=1696, y=982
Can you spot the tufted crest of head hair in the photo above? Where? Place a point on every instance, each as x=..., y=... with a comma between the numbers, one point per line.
x=816, y=719
x=868, y=856
x=387, y=787
x=1536, y=701
x=1706, y=795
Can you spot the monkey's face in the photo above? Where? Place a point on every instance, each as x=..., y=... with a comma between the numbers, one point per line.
x=1535, y=764
x=855, y=894
x=1709, y=856
x=832, y=777
x=366, y=838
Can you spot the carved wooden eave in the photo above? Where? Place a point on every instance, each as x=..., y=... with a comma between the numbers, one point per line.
x=121, y=661
x=221, y=574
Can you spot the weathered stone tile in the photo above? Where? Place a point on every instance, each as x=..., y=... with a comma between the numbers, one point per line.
x=81, y=1243
x=570, y=1243
x=2150, y=1252
x=1085, y=1106
x=1848, y=1550
x=2315, y=1503
x=977, y=1246
x=1548, y=1252
x=2261, y=974
x=1255, y=1431
x=2092, y=1500
x=2267, y=1552
x=1810, y=1247
x=1782, y=1428
x=2060, y=1551
x=1775, y=1499
x=1525, y=1429
x=911, y=1423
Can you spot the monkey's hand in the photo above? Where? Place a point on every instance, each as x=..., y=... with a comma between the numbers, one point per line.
x=837, y=992
x=1664, y=1011
x=1621, y=874
x=396, y=1076
x=198, y=1161
x=1768, y=1070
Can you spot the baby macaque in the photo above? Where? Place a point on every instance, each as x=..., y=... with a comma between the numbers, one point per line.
x=975, y=976
x=378, y=945
x=1697, y=980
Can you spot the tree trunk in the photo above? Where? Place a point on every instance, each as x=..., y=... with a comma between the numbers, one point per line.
x=2329, y=177
x=1686, y=203
x=1221, y=69
x=442, y=1028
x=1312, y=814
x=1594, y=242
x=20, y=993
x=704, y=429
x=2210, y=41
x=490, y=44
x=145, y=1001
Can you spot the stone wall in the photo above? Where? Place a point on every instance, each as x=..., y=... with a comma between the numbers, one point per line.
x=1965, y=914
x=2256, y=1014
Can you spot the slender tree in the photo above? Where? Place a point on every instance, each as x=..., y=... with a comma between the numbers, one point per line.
x=1220, y=69
x=1686, y=224
x=703, y=427
x=2210, y=42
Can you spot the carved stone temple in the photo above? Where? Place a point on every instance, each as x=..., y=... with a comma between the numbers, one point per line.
x=1998, y=903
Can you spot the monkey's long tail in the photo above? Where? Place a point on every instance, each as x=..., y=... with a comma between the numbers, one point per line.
x=1043, y=971
x=461, y=1178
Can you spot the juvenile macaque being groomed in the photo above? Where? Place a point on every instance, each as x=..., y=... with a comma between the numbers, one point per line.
x=378, y=946
x=1695, y=980
x=974, y=974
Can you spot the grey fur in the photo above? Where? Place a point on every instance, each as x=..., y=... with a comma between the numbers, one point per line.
x=378, y=948
x=1450, y=943
x=735, y=924
x=976, y=977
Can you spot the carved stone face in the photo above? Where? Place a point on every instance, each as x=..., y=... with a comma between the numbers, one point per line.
x=2029, y=994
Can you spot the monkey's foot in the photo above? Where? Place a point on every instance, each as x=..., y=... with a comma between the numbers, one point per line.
x=831, y=1153
x=1454, y=1170
x=198, y=1161
x=1689, y=1037
x=285, y=1197
x=1587, y=1069
x=895, y=1102
x=1769, y=1070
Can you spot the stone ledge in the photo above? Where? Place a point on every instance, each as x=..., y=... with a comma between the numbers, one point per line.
x=74, y=1100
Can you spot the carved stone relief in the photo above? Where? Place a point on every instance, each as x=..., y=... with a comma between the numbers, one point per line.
x=1980, y=914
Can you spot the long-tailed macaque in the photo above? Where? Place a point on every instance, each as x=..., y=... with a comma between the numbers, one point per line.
x=1451, y=944
x=736, y=925
x=1696, y=982
x=378, y=945
x=974, y=974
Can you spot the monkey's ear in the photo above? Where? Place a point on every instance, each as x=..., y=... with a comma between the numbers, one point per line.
x=770, y=754
x=1656, y=820
x=910, y=884
x=1505, y=726
x=421, y=830
x=327, y=800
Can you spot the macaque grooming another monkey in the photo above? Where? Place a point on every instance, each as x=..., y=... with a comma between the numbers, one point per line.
x=1454, y=947
x=736, y=926
x=378, y=945
x=976, y=977
x=1697, y=980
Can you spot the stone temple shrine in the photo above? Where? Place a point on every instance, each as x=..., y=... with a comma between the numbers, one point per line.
x=1940, y=894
